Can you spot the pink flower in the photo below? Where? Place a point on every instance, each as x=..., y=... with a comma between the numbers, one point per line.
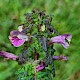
x=18, y=38
x=40, y=67
x=61, y=57
x=8, y=55
x=62, y=39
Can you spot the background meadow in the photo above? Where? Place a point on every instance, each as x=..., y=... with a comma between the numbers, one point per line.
x=66, y=20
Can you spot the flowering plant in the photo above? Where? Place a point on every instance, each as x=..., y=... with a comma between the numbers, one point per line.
x=38, y=36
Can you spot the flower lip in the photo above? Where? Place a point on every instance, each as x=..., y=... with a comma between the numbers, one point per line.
x=61, y=39
x=16, y=41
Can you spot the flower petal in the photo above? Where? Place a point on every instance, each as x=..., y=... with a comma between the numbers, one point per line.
x=65, y=45
x=16, y=33
x=24, y=37
x=16, y=41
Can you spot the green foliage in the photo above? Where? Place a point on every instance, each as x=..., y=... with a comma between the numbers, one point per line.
x=28, y=72
x=66, y=20
x=44, y=75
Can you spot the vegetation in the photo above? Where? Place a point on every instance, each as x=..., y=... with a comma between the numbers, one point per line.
x=66, y=20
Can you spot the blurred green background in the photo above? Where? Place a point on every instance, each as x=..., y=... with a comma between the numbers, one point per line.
x=66, y=20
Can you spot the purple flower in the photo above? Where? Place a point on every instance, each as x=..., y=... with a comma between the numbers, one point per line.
x=8, y=55
x=62, y=39
x=40, y=67
x=18, y=38
x=61, y=57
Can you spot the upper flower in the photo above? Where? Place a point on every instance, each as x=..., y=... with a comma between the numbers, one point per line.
x=18, y=38
x=62, y=39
